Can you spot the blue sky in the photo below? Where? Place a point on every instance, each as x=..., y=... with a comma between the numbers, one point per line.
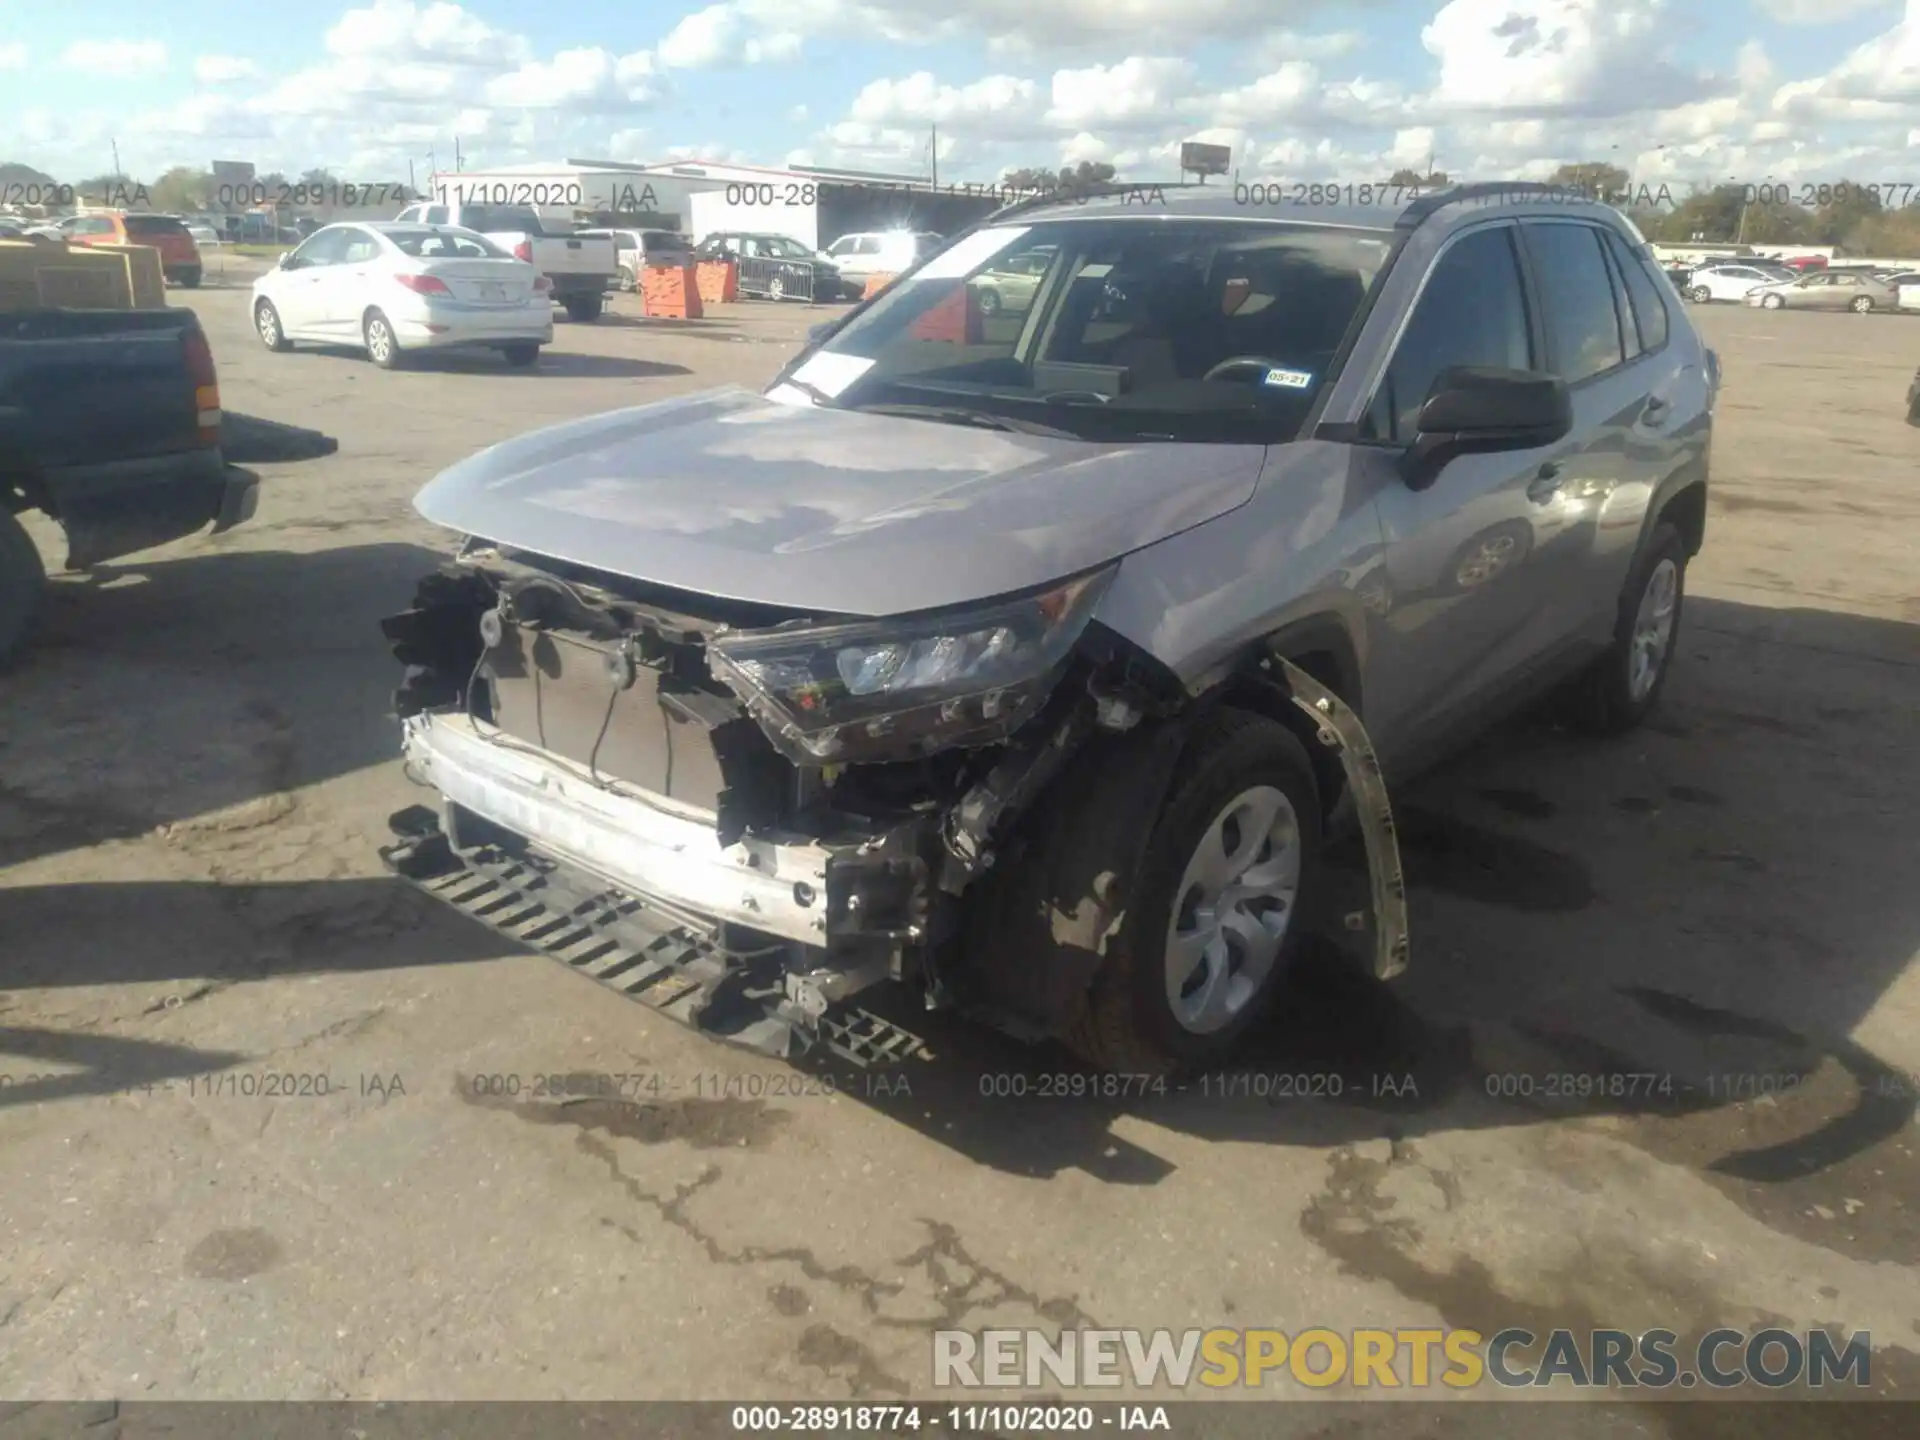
x=1302, y=89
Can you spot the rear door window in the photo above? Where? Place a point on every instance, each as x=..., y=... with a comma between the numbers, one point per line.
x=1643, y=296
x=1576, y=292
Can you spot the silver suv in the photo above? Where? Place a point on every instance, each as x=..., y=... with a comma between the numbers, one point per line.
x=1026, y=660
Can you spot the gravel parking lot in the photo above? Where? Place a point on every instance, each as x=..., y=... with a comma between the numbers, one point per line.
x=196, y=766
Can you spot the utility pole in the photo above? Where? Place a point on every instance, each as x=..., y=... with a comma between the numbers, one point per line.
x=933, y=155
x=118, y=174
x=458, y=163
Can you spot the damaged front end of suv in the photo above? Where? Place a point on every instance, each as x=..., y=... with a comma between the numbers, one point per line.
x=745, y=817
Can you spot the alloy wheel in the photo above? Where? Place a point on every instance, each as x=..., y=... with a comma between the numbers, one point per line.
x=1653, y=626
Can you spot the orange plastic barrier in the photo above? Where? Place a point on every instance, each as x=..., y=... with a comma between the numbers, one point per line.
x=670, y=292
x=875, y=284
x=718, y=281
x=955, y=319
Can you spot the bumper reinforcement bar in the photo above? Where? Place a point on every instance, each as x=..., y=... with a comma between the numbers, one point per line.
x=627, y=945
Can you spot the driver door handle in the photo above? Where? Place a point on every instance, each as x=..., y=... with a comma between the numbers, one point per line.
x=1545, y=484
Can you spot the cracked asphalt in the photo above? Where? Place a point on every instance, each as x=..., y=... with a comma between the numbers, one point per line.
x=273, y=1126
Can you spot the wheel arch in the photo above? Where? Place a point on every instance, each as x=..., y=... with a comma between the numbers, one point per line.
x=1324, y=647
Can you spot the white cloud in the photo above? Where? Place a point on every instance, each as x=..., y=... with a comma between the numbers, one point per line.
x=1283, y=45
x=118, y=58
x=223, y=69
x=1816, y=12
x=730, y=34
x=1879, y=80
x=578, y=79
x=13, y=56
x=395, y=31
x=1135, y=89
x=1594, y=57
x=998, y=105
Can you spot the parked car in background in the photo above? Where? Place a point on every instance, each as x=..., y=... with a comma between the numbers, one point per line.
x=1804, y=263
x=1826, y=290
x=1009, y=286
x=179, y=255
x=1729, y=282
x=637, y=249
x=580, y=269
x=204, y=235
x=864, y=254
x=778, y=267
x=110, y=423
x=392, y=289
x=769, y=666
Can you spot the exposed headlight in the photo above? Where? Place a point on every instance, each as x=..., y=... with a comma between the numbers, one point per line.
x=883, y=689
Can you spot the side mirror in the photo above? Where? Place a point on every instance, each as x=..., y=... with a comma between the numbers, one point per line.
x=286, y=261
x=1481, y=409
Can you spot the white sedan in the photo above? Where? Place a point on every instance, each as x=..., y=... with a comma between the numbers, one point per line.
x=392, y=289
x=1729, y=282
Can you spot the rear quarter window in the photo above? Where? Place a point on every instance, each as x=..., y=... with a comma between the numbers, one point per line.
x=155, y=225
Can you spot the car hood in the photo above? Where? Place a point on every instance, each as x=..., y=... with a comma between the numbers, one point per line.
x=730, y=494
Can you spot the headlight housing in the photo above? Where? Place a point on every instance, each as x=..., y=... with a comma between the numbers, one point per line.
x=888, y=689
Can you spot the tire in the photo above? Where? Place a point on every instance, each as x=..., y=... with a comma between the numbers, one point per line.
x=777, y=288
x=190, y=279
x=266, y=321
x=1133, y=1022
x=383, y=346
x=1772, y=302
x=989, y=302
x=523, y=355
x=23, y=588
x=584, y=309
x=1860, y=304
x=1617, y=694
x=1700, y=295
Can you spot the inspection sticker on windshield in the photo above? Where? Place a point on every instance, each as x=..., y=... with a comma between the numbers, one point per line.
x=1288, y=379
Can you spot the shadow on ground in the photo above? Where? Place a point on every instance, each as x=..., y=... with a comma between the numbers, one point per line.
x=1725, y=894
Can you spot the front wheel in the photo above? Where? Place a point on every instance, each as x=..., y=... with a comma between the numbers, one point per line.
x=383, y=347
x=1771, y=302
x=1623, y=685
x=521, y=355
x=989, y=302
x=1700, y=295
x=584, y=309
x=777, y=288
x=1227, y=870
x=273, y=334
x=1861, y=304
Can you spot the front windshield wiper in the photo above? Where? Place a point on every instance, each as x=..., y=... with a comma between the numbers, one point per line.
x=961, y=415
x=812, y=392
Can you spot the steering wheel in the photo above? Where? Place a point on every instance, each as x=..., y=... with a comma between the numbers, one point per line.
x=1235, y=363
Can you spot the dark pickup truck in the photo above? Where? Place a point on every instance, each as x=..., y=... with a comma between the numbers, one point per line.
x=110, y=424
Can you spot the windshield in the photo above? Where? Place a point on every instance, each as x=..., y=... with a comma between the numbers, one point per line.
x=446, y=243
x=1113, y=329
x=782, y=247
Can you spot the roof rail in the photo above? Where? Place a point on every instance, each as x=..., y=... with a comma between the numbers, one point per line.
x=1095, y=191
x=1426, y=204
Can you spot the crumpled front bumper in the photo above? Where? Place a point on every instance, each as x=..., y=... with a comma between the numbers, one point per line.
x=778, y=887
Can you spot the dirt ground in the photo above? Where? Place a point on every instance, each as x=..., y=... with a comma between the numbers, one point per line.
x=196, y=766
